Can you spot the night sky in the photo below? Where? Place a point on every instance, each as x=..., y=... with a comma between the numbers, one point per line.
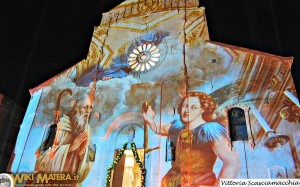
x=41, y=38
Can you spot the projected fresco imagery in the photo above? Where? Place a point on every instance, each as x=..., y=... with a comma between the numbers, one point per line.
x=156, y=103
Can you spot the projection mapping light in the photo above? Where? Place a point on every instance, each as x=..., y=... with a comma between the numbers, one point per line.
x=144, y=58
x=275, y=140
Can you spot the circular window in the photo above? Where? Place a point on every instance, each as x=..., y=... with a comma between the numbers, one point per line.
x=144, y=57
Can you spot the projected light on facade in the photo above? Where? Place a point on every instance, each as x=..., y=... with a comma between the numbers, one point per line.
x=144, y=57
x=158, y=71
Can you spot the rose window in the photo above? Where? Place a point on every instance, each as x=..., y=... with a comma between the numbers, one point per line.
x=144, y=58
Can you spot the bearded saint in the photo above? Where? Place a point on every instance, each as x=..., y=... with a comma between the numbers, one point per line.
x=70, y=152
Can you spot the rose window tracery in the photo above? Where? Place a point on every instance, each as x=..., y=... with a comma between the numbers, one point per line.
x=144, y=57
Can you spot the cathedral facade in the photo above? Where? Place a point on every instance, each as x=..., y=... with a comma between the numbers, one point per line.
x=156, y=103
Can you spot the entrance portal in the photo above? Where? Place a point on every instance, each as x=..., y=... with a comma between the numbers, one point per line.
x=127, y=173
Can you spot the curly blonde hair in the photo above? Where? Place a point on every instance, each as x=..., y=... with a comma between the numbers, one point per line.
x=208, y=105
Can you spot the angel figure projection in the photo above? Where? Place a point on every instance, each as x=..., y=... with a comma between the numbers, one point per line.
x=199, y=141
